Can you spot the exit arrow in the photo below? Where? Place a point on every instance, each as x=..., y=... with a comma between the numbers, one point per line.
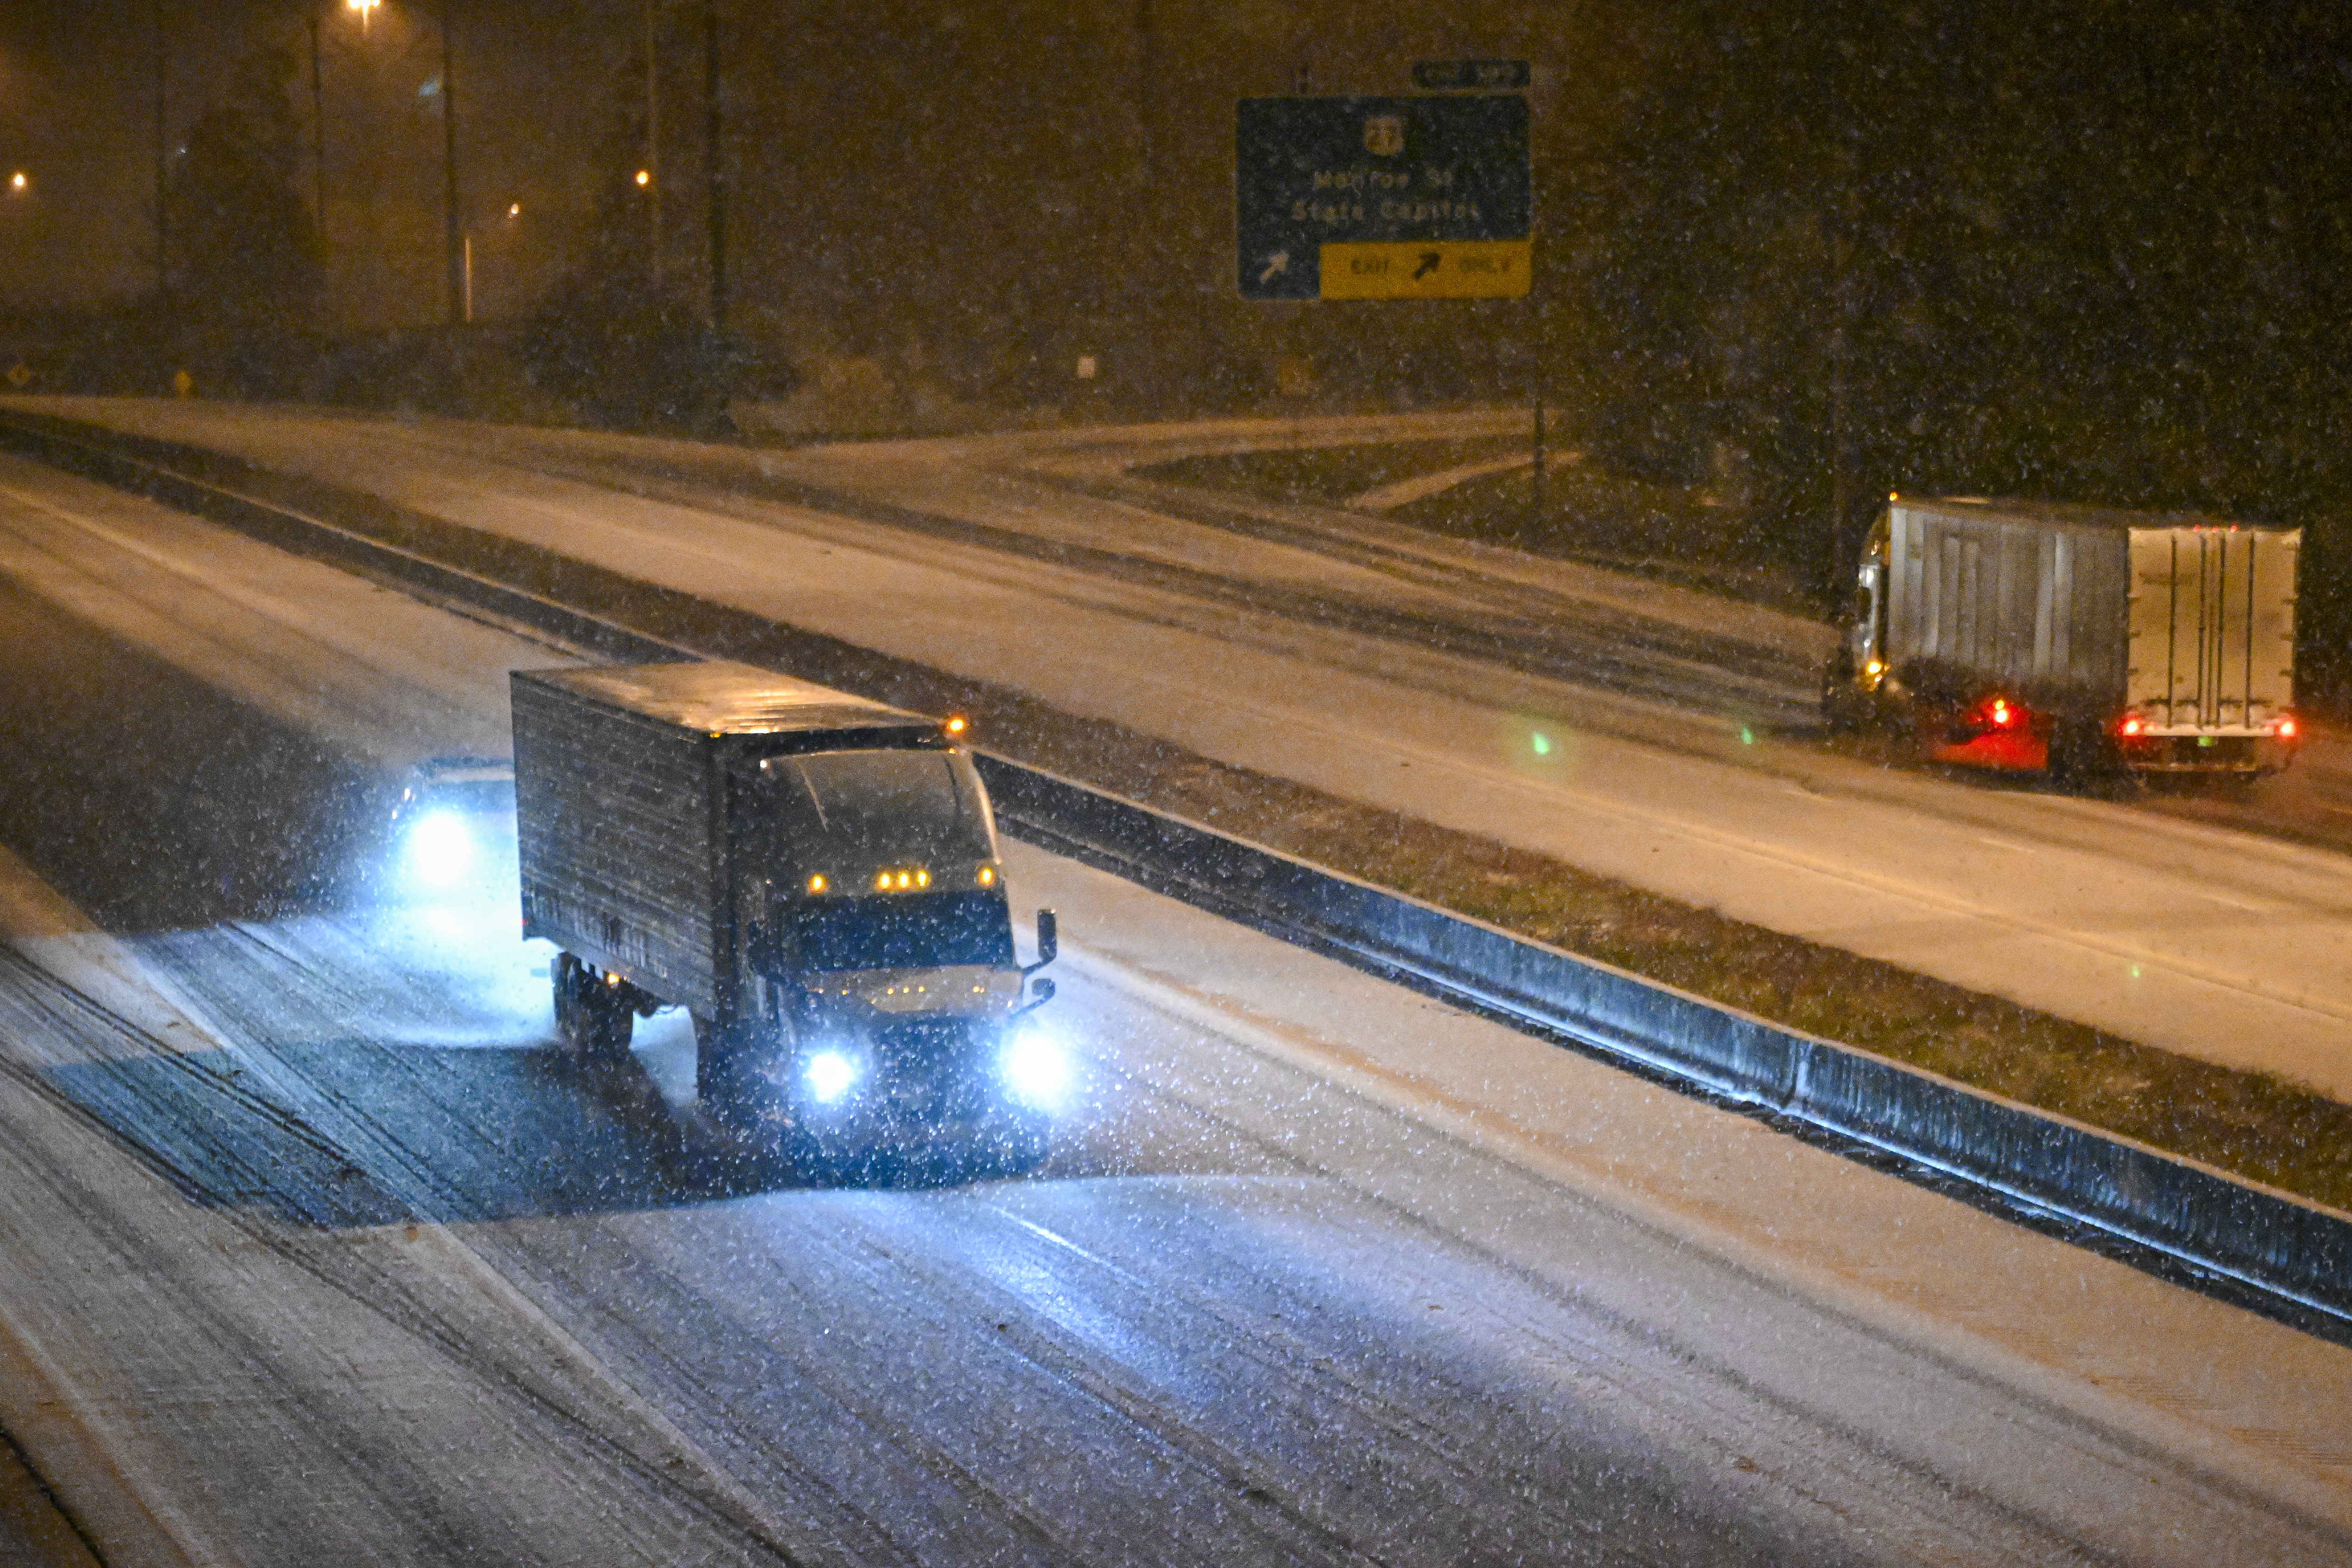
x=1429, y=261
x=1276, y=263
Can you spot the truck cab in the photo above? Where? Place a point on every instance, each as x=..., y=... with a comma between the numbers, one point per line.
x=886, y=990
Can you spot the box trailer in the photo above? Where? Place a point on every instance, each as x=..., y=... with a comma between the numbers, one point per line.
x=814, y=875
x=2027, y=635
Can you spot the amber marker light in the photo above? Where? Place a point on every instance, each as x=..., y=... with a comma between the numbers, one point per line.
x=957, y=724
x=817, y=884
x=988, y=876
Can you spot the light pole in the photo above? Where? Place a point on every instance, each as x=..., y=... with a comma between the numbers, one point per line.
x=163, y=215
x=318, y=130
x=453, y=243
x=651, y=179
x=454, y=258
x=714, y=169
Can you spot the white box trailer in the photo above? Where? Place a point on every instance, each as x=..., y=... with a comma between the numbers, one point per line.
x=2028, y=635
x=814, y=875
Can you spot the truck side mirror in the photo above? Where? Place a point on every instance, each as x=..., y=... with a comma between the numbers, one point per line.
x=1048, y=943
x=1041, y=990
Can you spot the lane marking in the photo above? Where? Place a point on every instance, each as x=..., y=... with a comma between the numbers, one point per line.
x=2012, y=846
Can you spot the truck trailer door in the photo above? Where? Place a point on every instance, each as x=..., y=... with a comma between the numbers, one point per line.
x=2212, y=626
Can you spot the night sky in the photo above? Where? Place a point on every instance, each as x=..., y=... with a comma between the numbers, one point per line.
x=76, y=114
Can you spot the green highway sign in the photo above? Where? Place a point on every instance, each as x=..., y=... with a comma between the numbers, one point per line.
x=1395, y=198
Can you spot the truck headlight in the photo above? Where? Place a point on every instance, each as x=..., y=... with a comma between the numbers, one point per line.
x=441, y=849
x=1035, y=1070
x=830, y=1075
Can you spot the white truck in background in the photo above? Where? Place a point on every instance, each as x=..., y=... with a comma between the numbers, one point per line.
x=2026, y=636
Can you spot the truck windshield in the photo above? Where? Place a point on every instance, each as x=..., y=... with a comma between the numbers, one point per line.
x=848, y=812
x=919, y=931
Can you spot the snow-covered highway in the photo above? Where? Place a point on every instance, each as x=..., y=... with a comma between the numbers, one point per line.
x=311, y=1249
x=1625, y=729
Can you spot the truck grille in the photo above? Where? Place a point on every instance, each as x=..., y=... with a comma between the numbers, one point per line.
x=930, y=1068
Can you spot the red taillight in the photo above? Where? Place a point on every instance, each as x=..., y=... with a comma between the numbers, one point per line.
x=2131, y=724
x=2001, y=711
x=2282, y=726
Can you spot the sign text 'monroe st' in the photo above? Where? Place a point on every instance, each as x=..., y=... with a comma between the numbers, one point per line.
x=1447, y=175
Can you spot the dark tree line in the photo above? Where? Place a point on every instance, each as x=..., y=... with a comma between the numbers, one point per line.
x=2074, y=248
x=241, y=262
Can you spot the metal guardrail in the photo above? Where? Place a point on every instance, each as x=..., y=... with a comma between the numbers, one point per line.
x=2272, y=1240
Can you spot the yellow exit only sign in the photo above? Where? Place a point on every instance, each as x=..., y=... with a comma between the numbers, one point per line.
x=1439, y=270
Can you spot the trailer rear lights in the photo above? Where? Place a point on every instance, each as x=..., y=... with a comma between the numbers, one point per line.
x=2281, y=727
x=829, y=1076
x=2131, y=724
x=2002, y=713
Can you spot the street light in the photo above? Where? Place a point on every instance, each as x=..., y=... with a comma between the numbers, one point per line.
x=17, y=183
x=460, y=283
x=455, y=243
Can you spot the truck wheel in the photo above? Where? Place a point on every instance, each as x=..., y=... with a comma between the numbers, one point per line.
x=2079, y=754
x=1837, y=703
x=727, y=1078
x=593, y=1019
x=567, y=1019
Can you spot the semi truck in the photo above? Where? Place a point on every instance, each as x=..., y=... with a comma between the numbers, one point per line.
x=2078, y=640
x=817, y=878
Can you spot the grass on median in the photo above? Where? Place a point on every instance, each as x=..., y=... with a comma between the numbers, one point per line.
x=2252, y=1123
